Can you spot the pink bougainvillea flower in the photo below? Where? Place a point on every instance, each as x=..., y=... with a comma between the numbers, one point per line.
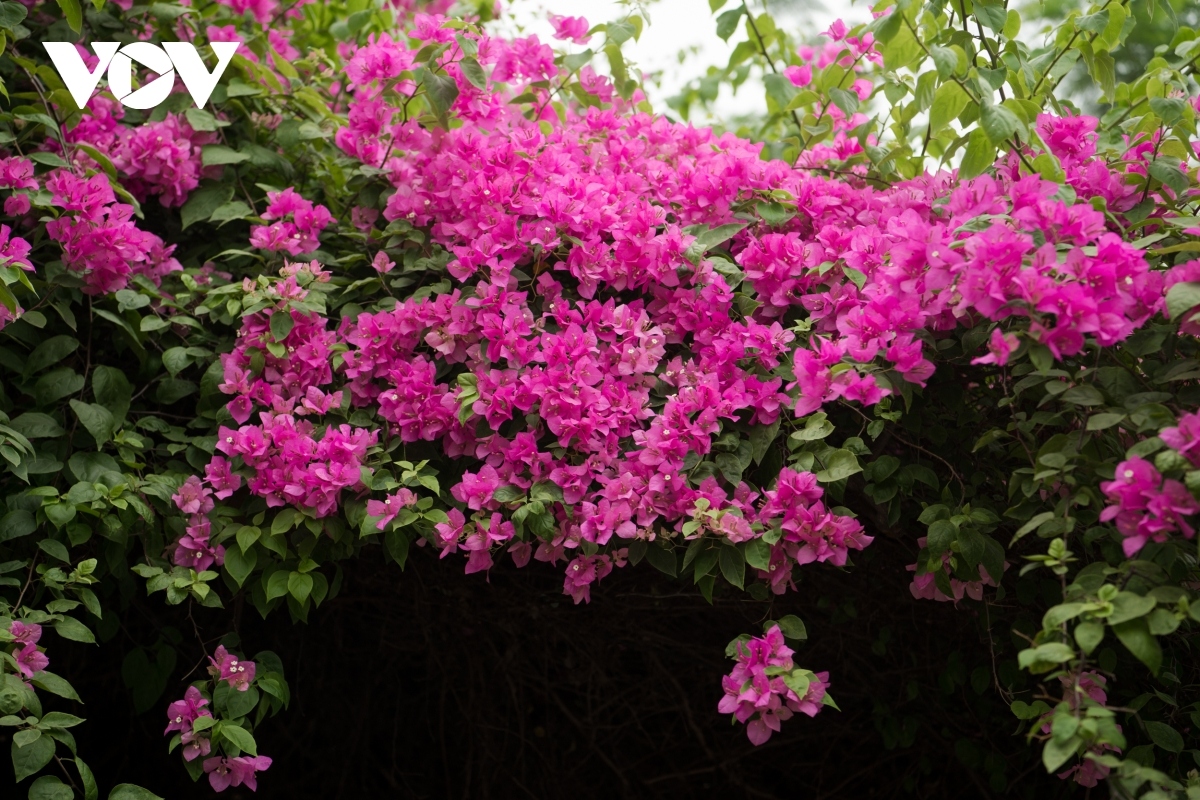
x=229, y=668
x=182, y=713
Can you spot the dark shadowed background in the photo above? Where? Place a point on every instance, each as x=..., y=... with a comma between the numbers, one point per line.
x=431, y=684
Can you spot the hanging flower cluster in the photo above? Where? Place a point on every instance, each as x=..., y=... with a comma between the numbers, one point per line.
x=765, y=688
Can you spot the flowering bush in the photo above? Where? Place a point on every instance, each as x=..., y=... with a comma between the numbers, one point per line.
x=406, y=282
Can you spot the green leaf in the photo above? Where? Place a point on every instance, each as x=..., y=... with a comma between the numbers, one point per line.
x=90, y=790
x=727, y=23
x=26, y=737
x=74, y=15
x=1169, y=109
x=708, y=238
x=440, y=91
x=57, y=384
x=576, y=61
x=204, y=201
x=300, y=586
x=55, y=685
x=1056, y=752
x=1083, y=396
x=971, y=546
x=239, y=704
x=846, y=100
x=663, y=559
x=50, y=352
x=733, y=566
x=1061, y=613
x=792, y=627
x=473, y=72
x=1167, y=171
x=758, y=554
x=840, y=464
x=33, y=425
x=32, y=757
x=172, y=390
x=1100, y=422
x=97, y=419
x=12, y=14
x=397, y=545
x=127, y=791
x=49, y=787
x=240, y=738
x=201, y=120
x=73, y=629
x=1181, y=298
x=1031, y=525
x=980, y=154
x=1165, y=736
x=946, y=61
x=112, y=390
x=992, y=16
x=1088, y=636
x=1051, y=653
x=240, y=564
x=941, y=535
x=948, y=103
x=16, y=524
x=281, y=325
x=277, y=584
x=1135, y=635
x=815, y=427
x=999, y=123
x=57, y=719
x=234, y=209
x=1128, y=605
x=780, y=91
x=217, y=154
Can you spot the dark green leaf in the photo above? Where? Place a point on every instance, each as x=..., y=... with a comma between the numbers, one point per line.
x=217, y=154
x=1167, y=170
x=73, y=629
x=662, y=559
x=980, y=154
x=793, y=627
x=941, y=534
x=758, y=554
x=12, y=14
x=127, y=791
x=90, y=790
x=838, y=465
x=50, y=787
x=204, y=201
x=473, y=72
x=112, y=390
x=733, y=566
x=50, y=352
x=1135, y=635
x=240, y=738
x=55, y=685
x=32, y=757
x=999, y=123
x=1165, y=736
x=97, y=419
x=74, y=15
x=16, y=524
x=1181, y=298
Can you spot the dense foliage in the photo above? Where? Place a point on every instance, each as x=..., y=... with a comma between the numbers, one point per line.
x=404, y=283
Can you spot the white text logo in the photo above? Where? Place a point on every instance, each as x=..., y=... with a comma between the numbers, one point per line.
x=165, y=60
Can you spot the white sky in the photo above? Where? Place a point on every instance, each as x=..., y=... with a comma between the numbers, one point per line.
x=678, y=25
